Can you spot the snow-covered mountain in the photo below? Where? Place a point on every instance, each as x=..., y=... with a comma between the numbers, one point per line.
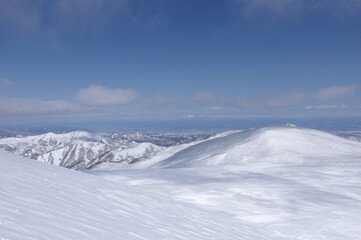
x=163, y=138
x=78, y=150
x=272, y=145
x=83, y=150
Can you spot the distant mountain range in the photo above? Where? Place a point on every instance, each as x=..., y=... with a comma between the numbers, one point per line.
x=80, y=150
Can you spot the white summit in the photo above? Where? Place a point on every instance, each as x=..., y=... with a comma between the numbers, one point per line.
x=268, y=145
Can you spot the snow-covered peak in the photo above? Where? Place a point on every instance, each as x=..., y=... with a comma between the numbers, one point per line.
x=272, y=144
x=78, y=150
x=50, y=137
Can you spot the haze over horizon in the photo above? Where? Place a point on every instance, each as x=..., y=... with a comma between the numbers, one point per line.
x=106, y=60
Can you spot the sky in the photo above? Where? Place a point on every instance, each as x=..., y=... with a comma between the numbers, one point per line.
x=82, y=60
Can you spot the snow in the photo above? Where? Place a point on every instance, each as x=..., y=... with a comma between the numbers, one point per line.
x=40, y=201
x=172, y=150
x=78, y=150
x=271, y=145
x=269, y=183
x=296, y=201
x=300, y=183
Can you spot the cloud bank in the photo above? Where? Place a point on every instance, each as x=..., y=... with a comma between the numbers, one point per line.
x=336, y=92
x=24, y=106
x=100, y=96
x=327, y=107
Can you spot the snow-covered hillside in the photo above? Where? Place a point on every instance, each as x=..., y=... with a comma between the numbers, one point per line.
x=301, y=183
x=78, y=150
x=40, y=201
x=271, y=145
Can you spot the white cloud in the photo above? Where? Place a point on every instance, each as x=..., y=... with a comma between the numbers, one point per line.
x=22, y=106
x=59, y=15
x=326, y=107
x=21, y=14
x=204, y=97
x=188, y=116
x=271, y=102
x=70, y=14
x=101, y=96
x=273, y=8
x=335, y=92
x=295, y=8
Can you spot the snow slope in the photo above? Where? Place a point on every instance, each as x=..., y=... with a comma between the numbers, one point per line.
x=271, y=145
x=301, y=183
x=40, y=201
x=299, y=202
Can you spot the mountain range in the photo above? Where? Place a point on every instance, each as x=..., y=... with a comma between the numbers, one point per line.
x=79, y=150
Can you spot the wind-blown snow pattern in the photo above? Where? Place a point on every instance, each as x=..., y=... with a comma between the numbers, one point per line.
x=40, y=201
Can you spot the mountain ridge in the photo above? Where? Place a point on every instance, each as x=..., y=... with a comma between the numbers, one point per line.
x=78, y=150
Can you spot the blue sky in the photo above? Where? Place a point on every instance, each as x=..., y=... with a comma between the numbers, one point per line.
x=75, y=60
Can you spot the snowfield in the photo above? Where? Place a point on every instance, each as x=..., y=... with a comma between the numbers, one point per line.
x=268, y=183
x=300, y=183
x=40, y=201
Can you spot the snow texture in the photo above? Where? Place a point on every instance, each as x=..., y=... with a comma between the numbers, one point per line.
x=40, y=201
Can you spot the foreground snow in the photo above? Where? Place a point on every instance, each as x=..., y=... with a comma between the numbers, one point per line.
x=40, y=201
x=297, y=201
